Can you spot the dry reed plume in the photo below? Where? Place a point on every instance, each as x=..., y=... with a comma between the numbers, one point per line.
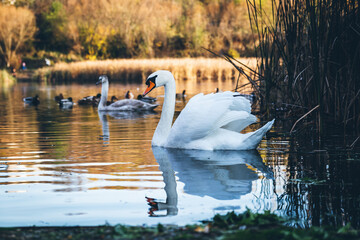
x=136, y=70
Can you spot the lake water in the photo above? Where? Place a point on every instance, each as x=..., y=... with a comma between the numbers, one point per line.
x=67, y=167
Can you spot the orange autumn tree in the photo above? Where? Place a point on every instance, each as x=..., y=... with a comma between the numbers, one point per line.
x=17, y=25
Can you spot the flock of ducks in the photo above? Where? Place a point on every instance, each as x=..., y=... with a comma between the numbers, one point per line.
x=142, y=103
x=208, y=122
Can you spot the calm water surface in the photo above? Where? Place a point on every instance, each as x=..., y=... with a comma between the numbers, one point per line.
x=65, y=167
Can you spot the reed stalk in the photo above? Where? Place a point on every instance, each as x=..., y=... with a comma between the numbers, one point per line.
x=309, y=53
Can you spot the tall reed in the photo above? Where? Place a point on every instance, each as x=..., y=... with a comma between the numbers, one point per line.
x=309, y=54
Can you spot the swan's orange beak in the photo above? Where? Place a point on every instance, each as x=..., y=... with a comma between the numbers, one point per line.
x=150, y=87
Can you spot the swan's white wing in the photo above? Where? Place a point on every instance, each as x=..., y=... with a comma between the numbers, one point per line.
x=236, y=120
x=207, y=113
x=238, y=117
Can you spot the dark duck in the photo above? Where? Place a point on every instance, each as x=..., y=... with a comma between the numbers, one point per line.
x=32, y=100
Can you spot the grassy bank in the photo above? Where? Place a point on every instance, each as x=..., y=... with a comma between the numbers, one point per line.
x=6, y=79
x=230, y=226
x=139, y=69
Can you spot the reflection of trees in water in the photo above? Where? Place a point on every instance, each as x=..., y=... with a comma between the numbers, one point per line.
x=337, y=201
x=323, y=189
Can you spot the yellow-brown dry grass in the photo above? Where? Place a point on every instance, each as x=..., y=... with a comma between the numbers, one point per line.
x=138, y=69
x=6, y=79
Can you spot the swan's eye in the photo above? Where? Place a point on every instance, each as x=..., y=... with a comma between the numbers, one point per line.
x=150, y=82
x=102, y=79
x=151, y=79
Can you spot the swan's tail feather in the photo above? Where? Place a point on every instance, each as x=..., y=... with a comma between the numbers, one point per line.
x=254, y=138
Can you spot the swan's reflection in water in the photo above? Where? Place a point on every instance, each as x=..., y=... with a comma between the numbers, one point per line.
x=105, y=127
x=103, y=117
x=170, y=205
x=222, y=175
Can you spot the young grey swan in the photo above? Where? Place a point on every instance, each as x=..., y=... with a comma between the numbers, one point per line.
x=123, y=104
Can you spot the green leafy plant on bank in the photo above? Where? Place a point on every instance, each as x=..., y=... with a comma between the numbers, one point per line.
x=247, y=225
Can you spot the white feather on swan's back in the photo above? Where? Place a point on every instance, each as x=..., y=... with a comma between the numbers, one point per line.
x=206, y=113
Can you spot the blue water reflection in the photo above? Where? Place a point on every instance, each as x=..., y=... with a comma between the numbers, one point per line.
x=222, y=175
x=83, y=167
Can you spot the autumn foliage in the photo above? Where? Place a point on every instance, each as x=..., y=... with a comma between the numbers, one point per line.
x=17, y=25
x=126, y=28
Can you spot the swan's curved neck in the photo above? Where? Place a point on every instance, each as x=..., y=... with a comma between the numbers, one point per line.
x=104, y=93
x=163, y=128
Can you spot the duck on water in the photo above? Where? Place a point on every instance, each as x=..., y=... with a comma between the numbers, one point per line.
x=32, y=100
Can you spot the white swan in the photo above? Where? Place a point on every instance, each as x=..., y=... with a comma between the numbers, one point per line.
x=208, y=122
x=123, y=104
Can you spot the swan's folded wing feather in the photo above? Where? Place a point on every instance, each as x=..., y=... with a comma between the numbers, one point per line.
x=240, y=103
x=197, y=119
x=236, y=120
x=205, y=113
x=124, y=102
